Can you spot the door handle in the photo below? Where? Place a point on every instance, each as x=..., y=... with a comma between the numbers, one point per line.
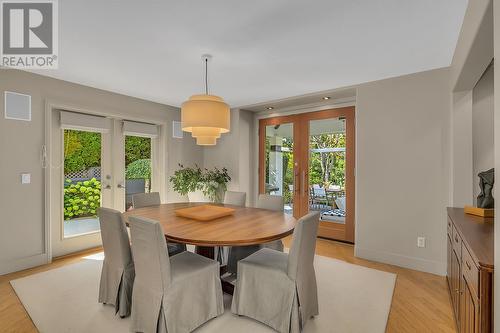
x=121, y=186
x=297, y=183
x=304, y=175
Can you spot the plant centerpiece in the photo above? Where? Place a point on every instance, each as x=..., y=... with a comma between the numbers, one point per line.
x=212, y=183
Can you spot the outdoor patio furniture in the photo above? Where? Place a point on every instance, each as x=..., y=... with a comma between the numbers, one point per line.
x=319, y=196
x=271, y=188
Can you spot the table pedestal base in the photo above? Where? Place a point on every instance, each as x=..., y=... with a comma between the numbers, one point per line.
x=209, y=252
x=206, y=251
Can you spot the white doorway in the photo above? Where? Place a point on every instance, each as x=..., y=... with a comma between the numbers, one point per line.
x=95, y=161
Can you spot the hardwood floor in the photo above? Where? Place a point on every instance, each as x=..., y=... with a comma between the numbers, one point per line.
x=420, y=303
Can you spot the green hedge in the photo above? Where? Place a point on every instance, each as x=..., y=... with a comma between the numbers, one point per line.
x=81, y=198
x=140, y=169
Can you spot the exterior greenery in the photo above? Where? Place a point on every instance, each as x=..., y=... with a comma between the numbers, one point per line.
x=213, y=183
x=82, y=150
x=137, y=148
x=139, y=169
x=81, y=198
x=325, y=168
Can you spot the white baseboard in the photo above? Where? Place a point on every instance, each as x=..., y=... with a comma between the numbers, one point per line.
x=419, y=264
x=23, y=263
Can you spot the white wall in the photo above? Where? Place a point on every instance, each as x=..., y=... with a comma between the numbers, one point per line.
x=401, y=175
x=246, y=154
x=234, y=152
x=462, y=170
x=22, y=239
x=482, y=128
x=478, y=44
x=403, y=164
x=472, y=56
x=226, y=152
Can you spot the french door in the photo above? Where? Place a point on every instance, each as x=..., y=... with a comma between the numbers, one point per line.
x=308, y=159
x=96, y=162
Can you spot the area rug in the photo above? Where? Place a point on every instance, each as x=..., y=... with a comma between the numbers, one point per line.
x=352, y=298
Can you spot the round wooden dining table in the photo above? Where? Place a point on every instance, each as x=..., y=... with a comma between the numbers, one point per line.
x=246, y=226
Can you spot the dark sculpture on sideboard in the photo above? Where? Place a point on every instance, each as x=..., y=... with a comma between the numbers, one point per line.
x=485, y=198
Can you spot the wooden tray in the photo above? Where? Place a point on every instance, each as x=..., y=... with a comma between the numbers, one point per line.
x=204, y=212
x=483, y=212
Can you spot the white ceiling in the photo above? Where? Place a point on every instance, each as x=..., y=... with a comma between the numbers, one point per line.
x=263, y=50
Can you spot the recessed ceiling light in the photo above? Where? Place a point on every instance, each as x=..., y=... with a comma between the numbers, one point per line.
x=270, y=108
x=326, y=98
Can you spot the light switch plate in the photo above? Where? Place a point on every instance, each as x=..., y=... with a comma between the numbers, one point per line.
x=25, y=178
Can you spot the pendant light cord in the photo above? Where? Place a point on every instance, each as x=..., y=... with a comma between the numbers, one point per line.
x=206, y=76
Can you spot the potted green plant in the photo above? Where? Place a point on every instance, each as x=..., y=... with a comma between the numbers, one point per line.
x=201, y=184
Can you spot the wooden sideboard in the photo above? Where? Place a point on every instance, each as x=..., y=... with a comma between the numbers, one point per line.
x=470, y=270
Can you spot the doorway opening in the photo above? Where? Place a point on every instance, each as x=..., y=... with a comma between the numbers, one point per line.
x=82, y=182
x=308, y=159
x=137, y=167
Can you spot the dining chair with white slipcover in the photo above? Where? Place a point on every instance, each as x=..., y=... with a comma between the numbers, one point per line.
x=140, y=200
x=153, y=199
x=280, y=289
x=276, y=203
x=236, y=253
x=235, y=198
x=171, y=294
x=117, y=276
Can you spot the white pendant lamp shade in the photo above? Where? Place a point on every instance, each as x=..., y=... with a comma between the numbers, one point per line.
x=206, y=117
x=206, y=141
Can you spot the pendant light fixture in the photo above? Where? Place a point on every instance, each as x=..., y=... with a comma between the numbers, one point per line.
x=206, y=116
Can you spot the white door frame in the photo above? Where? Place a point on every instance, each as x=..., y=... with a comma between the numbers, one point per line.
x=160, y=162
x=157, y=177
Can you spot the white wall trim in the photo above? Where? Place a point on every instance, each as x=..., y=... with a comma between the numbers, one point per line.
x=338, y=103
x=19, y=264
x=419, y=264
x=52, y=105
x=297, y=109
x=46, y=153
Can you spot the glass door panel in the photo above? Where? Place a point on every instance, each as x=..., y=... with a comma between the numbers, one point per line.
x=309, y=159
x=137, y=167
x=327, y=152
x=82, y=182
x=279, y=163
x=330, y=160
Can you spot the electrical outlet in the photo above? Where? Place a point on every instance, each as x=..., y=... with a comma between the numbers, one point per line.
x=420, y=241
